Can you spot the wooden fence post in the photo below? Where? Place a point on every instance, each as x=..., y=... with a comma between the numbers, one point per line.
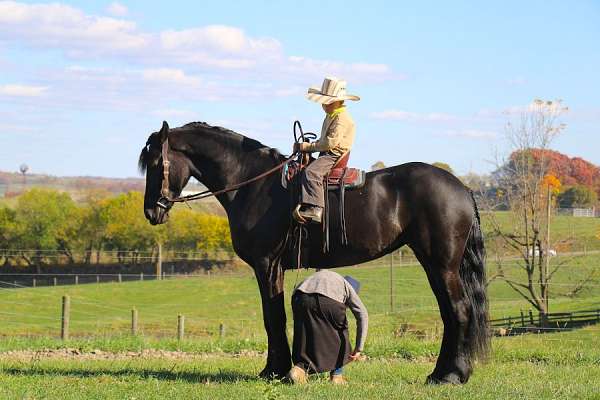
x=531, y=317
x=522, y=319
x=159, y=262
x=33, y=283
x=141, y=276
x=54, y=281
x=134, y=322
x=77, y=279
x=66, y=314
x=221, y=330
x=120, y=278
x=392, y=281
x=180, y=326
x=97, y=278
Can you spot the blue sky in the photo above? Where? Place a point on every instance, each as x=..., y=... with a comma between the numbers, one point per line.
x=82, y=84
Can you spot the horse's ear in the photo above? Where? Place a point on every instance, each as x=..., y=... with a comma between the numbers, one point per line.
x=164, y=131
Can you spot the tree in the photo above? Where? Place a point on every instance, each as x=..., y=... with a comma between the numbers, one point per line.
x=377, y=165
x=46, y=220
x=529, y=190
x=126, y=229
x=7, y=231
x=443, y=166
x=92, y=232
x=190, y=229
x=578, y=196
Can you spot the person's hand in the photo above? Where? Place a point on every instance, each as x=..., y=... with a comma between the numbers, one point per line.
x=355, y=356
x=298, y=147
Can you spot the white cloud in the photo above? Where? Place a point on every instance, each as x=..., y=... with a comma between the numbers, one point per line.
x=22, y=90
x=61, y=26
x=170, y=75
x=117, y=9
x=400, y=115
x=212, y=48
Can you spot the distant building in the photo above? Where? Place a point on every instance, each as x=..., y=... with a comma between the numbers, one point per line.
x=580, y=212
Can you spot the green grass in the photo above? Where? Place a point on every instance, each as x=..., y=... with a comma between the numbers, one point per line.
x=524, y=368
x=575, y=233
x=402, y=344
x=206, y=302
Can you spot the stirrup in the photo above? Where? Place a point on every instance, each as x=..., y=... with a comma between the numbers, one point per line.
x=296, y=214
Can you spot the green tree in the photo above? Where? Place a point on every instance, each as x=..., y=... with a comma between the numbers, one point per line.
x=92, y=230
x=377, y=165
x=7, y=232
x=190, y=229
x=443, y=166
x=126, y=228
x=46, y=220
x=577, y=196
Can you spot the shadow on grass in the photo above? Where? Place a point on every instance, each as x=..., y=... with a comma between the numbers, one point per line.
x=222, y=376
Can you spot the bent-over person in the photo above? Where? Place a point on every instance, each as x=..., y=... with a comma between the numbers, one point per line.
x=321, y=342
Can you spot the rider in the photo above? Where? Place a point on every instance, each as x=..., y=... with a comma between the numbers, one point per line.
x=337, y=136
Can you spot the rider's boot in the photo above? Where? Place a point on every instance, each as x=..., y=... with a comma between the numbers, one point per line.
x=311, y=213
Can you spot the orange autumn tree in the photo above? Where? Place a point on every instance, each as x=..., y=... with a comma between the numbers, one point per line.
x=527, y=182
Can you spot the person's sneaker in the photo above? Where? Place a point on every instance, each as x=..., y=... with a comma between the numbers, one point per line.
x=297, y=376
x=338, y=379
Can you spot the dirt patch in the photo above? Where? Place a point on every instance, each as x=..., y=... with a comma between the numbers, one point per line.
x=73, y=353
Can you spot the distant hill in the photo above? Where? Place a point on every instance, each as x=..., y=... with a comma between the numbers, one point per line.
x=13, y=184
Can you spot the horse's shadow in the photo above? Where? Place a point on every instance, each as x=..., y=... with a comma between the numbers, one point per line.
x=222, y=376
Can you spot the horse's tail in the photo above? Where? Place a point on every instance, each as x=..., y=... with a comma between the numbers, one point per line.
x=472, y=275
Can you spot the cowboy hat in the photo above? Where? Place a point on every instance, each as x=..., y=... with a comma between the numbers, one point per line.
x=331, y=90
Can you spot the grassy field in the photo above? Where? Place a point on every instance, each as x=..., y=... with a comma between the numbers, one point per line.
x=567, y=233
x=207, y=301
x=402, y=345
x=521, y=368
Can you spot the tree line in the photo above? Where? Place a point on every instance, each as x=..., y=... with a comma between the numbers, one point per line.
x=47, y=222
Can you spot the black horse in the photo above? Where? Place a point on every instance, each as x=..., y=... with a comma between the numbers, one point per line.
x=412, y=204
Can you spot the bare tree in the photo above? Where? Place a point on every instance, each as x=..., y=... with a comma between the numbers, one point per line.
x=527, y=188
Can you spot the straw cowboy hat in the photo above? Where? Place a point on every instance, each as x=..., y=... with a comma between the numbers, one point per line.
x=332, y=89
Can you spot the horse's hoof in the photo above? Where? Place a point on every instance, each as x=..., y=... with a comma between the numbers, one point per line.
x=450, y=378
x=272, y=374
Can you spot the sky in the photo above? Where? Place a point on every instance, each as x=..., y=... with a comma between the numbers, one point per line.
x=83, y=84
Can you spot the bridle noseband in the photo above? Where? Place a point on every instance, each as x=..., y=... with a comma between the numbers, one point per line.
x=165, y=201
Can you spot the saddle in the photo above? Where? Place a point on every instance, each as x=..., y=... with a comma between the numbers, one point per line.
x=340, y=179
x=353, y=178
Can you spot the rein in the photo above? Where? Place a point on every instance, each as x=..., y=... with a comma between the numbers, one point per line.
x=164, y=200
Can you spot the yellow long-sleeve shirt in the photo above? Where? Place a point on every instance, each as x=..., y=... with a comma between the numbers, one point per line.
x=337, y=133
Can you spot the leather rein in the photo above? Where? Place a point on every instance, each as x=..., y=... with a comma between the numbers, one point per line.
x=165, y=201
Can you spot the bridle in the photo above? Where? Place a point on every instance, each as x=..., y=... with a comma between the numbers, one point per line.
x=166, y=202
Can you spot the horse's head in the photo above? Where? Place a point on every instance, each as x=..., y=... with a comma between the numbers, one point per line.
x=167, y=172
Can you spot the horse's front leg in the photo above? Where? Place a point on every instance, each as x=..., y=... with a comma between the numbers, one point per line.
x=273, y=307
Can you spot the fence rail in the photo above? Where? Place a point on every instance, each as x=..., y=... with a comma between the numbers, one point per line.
x=539, y=323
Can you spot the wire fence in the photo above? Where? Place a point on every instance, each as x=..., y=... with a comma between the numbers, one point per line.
x=410, y=314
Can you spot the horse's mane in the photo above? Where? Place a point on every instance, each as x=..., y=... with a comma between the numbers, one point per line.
x=152, y=150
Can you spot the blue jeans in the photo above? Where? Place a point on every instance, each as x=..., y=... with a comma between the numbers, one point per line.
x=338, y=371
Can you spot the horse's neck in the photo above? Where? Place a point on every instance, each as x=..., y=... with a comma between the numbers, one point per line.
x=221, y=161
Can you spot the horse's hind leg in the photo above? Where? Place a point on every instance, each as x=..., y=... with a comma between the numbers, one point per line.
x=453, y=364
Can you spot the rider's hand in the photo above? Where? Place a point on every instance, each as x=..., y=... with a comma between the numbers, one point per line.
x=299, y=147
x=355, y=356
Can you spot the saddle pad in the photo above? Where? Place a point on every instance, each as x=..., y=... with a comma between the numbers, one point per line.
x=354, y=178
